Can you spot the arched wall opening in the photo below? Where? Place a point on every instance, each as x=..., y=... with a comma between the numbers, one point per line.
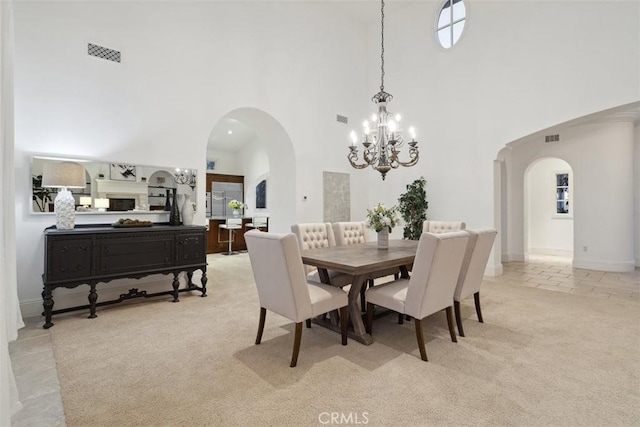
x=548, y=208
x=600, y=151
x=267, y=155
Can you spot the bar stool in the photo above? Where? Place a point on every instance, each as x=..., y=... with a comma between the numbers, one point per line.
x=230, y=224
x=257, y=222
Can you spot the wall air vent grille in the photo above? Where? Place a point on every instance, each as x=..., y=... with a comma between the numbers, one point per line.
x=342, y=119
x=552, y=138
x=103, y=52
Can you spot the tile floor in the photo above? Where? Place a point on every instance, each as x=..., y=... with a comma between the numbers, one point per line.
x=35, y=368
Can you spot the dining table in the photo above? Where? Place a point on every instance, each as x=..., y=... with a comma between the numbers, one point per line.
x=361, y=261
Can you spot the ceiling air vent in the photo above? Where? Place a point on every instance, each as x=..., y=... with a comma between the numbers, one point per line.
x=103, y=52
x=342, y=119
x=552, y=138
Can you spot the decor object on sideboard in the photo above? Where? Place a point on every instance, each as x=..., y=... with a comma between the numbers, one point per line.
x=101, y=204
x=382, y=219
x=187, y=210
x=413, y=207
x=382, y=143
x=85, y=204
x=174, y=213
x=64, y=175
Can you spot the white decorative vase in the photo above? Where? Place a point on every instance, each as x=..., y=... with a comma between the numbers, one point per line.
x=186, y=210
x=65, y=208
x=236, y=212
x=383, y=239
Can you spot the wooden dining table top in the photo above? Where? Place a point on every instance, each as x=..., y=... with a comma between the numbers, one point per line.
x=362, y=258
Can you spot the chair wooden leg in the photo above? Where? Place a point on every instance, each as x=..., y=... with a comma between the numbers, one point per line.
x=452, y=329
x=400, y=319
x=296, y=345
x=423, y=351
x=344, y=323
x=263, y=315
x=363, y=303
x=456, y=306
x=308, y=322
x=476, y=298
x=369, y=325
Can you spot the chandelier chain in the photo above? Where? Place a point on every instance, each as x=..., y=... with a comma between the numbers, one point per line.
x=382, y=47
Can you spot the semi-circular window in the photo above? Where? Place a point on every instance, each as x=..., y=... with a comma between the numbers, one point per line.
x=451, y=22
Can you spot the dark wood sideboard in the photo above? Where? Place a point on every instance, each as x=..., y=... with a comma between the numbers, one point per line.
x=100, y=253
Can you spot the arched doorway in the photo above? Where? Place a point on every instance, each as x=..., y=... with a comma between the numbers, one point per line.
x=263, y=152
x=548, y=208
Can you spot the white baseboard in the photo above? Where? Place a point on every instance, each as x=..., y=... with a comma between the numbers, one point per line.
x=619, y=267
x=64, y=298
x=551, y=251
x=512, y=257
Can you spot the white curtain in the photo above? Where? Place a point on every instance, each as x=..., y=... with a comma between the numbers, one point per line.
x=10, y=317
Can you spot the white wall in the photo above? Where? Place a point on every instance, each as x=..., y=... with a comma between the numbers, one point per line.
x=547, y=232
x=226, y=162
x=637, y=189
x=187, y=64
x=521, y=66
x=184, y=66
x=255, y=161
x=601, y=157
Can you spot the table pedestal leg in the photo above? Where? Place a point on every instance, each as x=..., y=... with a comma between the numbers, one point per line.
x=359, y=332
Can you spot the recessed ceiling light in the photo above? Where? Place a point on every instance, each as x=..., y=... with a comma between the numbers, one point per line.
x=229, y=132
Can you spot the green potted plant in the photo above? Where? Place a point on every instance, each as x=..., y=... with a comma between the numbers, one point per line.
x=413, y=207
x=41, y=195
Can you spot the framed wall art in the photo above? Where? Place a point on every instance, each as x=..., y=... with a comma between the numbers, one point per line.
x=123, y=172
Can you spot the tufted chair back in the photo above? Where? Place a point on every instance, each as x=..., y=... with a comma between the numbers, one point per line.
x=350, y=233
x=437, y=227
x=314, y=235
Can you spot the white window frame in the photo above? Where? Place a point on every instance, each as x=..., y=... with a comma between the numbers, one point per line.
x=449, y=26
x=569, y=199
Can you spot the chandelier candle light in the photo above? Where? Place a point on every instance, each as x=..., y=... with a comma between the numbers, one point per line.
x=383, y=139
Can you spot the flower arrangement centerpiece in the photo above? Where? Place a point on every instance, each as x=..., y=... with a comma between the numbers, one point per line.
x=383, y=219
x=236, y=206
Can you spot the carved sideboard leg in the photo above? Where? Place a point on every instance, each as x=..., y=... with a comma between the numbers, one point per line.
x=176, y=285
x=47, y=303
x=93, y=297
x=203, y=281
x=189, y=279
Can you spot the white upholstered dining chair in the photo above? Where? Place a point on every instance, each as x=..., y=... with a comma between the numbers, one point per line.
x=283, y=287
x=430, y=289
x=442, y=226
x=472, y=271
x=350, y=233
x=316, y=235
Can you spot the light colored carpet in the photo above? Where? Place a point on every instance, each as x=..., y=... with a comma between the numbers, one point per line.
x=540, y=358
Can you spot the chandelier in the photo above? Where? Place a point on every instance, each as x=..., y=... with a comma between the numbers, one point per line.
x=382, y=139
x=186, y=176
